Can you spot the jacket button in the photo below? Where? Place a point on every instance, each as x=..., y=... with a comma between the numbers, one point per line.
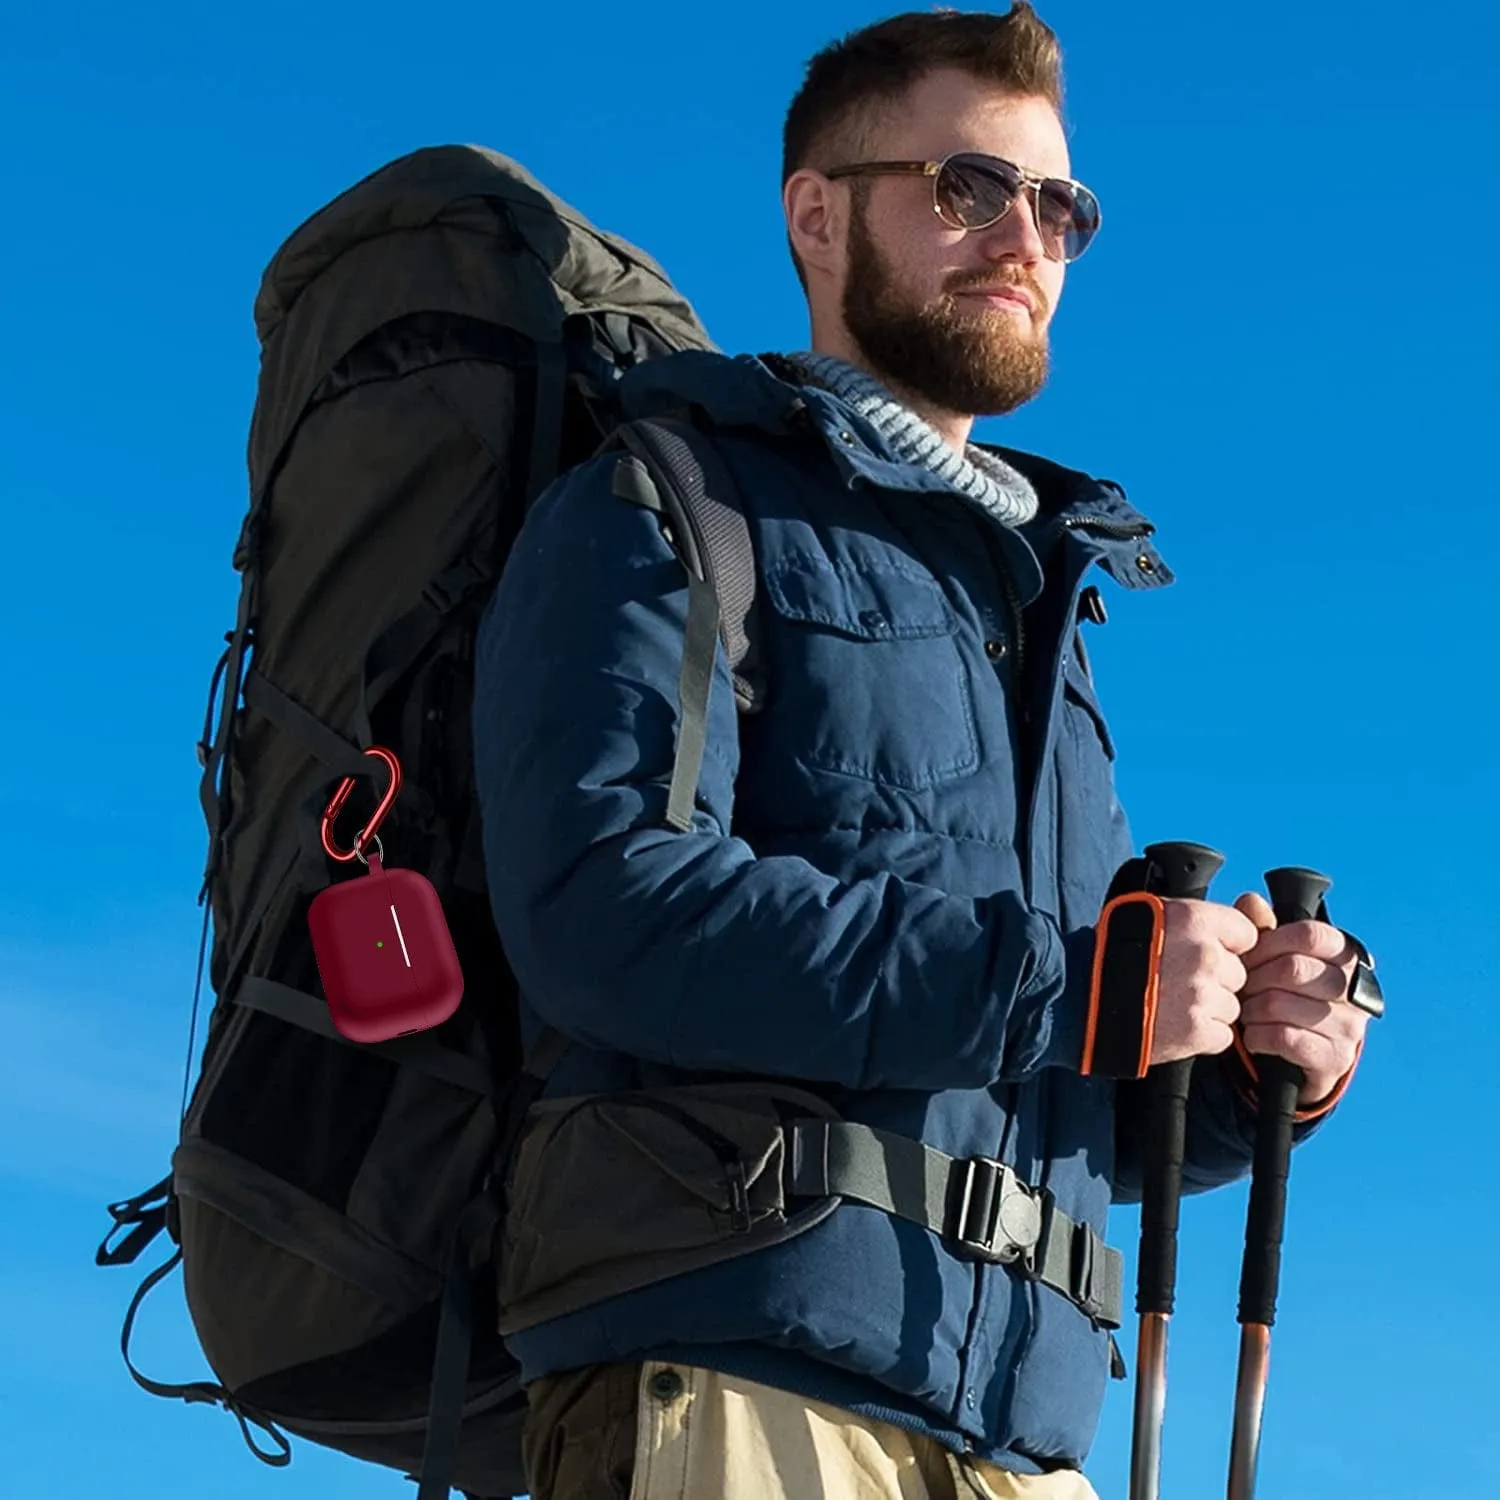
x=1091, y=606
x=996, y=650
x=847, y=438
x=1145, y=564
x=665, y=1385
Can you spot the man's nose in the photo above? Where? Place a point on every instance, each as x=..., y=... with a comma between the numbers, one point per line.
x=1016, y=235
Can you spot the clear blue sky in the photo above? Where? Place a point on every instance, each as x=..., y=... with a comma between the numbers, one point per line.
x=1283, y=345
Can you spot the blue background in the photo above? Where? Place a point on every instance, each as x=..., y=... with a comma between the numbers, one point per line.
x=1282, y=345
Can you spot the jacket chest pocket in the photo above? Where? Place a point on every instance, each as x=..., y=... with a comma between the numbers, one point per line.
x=869, y=680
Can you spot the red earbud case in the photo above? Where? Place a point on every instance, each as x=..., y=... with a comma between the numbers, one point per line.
x=382, y=945
x=385, y=955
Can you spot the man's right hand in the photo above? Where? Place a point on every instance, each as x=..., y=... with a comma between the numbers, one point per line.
x=1201, y=975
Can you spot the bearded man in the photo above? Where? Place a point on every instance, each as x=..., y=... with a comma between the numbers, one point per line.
x=879, y=916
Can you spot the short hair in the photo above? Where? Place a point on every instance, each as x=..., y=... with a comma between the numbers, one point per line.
x=849, y=83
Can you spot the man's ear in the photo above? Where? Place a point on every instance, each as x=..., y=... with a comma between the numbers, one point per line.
x=816, y=221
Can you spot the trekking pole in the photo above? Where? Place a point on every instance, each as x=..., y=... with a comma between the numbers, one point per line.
x=1184, y=872
x=1296, y=896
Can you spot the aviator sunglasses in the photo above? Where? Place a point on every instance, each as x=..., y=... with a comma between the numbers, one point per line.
x=973, y=191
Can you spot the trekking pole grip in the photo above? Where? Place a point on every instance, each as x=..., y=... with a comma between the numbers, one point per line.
x=1296, y=896
x=1184, y=872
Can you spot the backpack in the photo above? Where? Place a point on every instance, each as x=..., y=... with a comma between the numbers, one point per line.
x=438, y=343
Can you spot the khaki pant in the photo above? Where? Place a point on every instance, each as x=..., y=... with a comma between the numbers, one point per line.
x=671, y=1432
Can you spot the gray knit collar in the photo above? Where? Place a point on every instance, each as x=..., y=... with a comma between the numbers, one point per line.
x=987, y=480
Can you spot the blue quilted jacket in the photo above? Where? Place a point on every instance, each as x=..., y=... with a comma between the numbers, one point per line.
x=887, y=895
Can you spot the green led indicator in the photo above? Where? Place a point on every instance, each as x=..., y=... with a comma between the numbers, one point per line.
x=379, y=944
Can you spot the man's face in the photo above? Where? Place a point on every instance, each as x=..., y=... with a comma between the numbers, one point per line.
x=957, y=318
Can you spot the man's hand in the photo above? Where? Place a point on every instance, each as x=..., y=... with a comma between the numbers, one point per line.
x=1292, y=1004
x=1201, y=974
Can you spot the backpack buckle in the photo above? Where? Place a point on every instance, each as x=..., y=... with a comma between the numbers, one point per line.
x=139, y=1220
x=367, y=833
x=998, y=1218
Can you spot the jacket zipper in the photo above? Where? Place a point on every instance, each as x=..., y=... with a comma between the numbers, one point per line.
x=1120, y=529
x=1018, y=625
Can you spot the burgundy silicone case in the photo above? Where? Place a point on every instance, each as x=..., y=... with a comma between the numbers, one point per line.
x=385, y=955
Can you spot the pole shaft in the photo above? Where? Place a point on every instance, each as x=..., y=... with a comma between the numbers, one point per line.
x=1150, y=1405
x=1249, y=1406
x=1296, y=896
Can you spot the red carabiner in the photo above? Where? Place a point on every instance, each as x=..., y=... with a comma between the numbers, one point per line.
x=335, y=806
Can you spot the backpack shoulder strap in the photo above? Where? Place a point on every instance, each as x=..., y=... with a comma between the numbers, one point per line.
x=673, y=468
x=693, y=485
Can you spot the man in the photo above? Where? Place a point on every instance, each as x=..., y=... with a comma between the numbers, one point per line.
x=890, y=889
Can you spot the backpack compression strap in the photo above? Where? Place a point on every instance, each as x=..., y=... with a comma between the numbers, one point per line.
x=673, y=469
x=143, y=1218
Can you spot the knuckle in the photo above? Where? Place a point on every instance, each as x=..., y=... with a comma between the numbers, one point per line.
x=1261, y=1009
x=1245, y=933
x=1312, y=937
x=1222, y=1004
x=1273, y=1039
x=1306, y=970
x=1331, y=942
x=1295, y=971
x=1203, y=994
x=1289, y=1041
x=1282, y=972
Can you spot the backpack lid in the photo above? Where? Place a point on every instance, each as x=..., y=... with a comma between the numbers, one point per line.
x=416, y=190
x=448, y=229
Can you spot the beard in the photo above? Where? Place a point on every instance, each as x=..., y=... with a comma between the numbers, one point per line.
x=977, y=363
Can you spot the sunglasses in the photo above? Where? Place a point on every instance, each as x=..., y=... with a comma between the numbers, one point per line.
x=973, y=191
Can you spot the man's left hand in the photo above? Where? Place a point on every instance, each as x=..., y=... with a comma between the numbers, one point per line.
x=1293, y=1003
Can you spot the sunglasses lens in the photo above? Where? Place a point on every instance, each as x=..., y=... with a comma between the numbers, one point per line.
x=1068, y=217
x=972, y=193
